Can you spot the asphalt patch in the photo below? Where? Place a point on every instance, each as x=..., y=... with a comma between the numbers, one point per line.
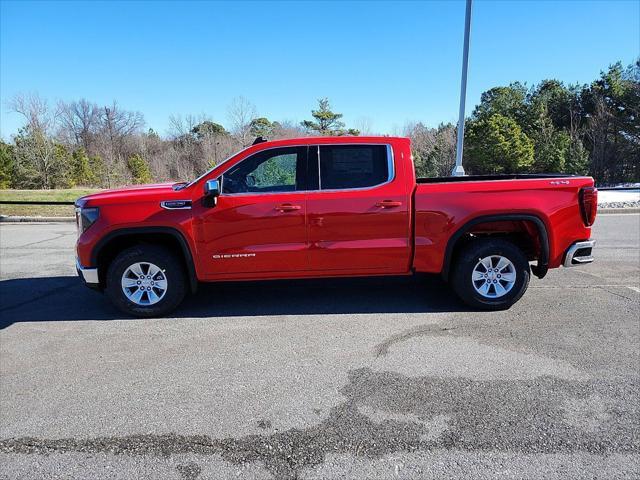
x=539, y=416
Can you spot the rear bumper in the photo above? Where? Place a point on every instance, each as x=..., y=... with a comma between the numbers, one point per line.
x=579, y=253
x=88, y=275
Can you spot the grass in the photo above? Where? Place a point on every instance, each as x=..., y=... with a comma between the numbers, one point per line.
x=37, y=210
x=61, y=195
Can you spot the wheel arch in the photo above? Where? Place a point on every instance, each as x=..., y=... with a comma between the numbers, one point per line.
x=539, y=270
x=112, y=243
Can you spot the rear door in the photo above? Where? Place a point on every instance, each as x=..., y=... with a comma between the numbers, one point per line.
x=259, y=222
x=359, y=216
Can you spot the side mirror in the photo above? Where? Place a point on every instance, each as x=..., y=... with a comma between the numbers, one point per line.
x=211, y=193
x=212, y=188
x=251, y=181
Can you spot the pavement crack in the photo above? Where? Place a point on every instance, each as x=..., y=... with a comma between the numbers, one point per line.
x=616, y=294
x=432, y=330
x=45, y=240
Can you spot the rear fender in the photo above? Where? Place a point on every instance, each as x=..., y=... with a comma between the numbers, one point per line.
x=539, y=270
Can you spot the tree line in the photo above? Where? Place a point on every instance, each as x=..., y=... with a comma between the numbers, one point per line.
x=549, y=127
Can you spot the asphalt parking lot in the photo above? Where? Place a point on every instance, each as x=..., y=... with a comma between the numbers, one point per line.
x=370, y=378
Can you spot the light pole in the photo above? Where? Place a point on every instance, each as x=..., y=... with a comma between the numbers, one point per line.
x=458, y=170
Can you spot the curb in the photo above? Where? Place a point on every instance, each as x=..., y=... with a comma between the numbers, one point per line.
x=618, y=210
x=12, y=219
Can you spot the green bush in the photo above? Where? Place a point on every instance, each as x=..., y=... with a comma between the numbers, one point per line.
x=139, y=169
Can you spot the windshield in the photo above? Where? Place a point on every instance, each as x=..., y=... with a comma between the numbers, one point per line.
x=183, y=185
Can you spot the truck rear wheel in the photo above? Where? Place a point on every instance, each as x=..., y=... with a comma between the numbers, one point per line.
x=146, y=281
x=491, y=274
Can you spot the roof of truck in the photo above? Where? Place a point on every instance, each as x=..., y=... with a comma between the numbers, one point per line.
x=330, y=139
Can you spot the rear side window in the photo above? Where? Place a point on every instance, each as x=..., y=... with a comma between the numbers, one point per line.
x=353, y=166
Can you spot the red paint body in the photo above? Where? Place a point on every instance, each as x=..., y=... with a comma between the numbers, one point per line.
x=395, y=228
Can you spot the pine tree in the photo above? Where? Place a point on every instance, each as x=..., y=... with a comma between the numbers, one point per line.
x=81, y=173
x=326, y=122
x=139, y=169
x=7, y=165
x=497, y=145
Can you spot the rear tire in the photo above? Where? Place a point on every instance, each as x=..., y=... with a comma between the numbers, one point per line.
x=146, y=281
x=490, y=274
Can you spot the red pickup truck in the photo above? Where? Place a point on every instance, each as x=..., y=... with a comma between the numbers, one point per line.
x=331, y=207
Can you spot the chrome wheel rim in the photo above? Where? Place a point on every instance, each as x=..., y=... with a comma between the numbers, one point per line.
x=493, y=276
x=144, y=283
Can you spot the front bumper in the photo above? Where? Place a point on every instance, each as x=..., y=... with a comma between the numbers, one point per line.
x=88, y=275
x=579, y=253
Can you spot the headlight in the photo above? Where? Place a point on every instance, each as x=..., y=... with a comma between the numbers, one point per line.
x=85, y=217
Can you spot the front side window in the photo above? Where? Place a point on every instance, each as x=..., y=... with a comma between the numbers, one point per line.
x=353, y=166
x=275, y=170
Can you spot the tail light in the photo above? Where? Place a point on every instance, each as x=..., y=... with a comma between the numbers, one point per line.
x=589, y=204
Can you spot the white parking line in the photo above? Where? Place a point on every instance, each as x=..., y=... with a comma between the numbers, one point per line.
x=550, y=287
x=590, y=274
x=619, y=214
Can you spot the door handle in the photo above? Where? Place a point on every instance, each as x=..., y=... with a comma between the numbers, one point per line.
x=287, y=207
x=388, y=204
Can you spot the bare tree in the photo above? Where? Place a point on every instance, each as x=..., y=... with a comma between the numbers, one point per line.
x=288, y=129
x=364, y=125
x=240, y=113
x=216, y=149
x=35, y=110
x=597, y=131
x=181, y=127
x=119, y=122
x=116, y=125
x=433, y=148
x=79, y=121
x=36, y=152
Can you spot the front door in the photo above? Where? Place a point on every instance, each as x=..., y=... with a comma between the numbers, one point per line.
x=359, y=217
x=259, y=222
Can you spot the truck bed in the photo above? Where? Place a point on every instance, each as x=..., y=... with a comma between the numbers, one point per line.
x=444, y=205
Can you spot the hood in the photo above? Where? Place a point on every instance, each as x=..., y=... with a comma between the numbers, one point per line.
x=137, y=193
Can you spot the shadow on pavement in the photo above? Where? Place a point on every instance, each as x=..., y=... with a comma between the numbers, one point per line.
x=66, y=299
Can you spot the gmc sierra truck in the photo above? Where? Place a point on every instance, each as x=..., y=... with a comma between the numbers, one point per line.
x=331, y=207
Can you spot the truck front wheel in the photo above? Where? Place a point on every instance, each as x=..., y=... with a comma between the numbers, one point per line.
x=490, y=274
x=146, y=281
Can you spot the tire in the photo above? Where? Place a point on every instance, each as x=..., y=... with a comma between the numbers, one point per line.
x=156, y=302
x=470, y=279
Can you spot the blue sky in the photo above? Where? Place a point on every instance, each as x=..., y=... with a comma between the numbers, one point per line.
x=391, y=62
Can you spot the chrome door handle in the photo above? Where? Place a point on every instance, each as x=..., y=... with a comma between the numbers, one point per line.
x=388, y=204
x=287, y=207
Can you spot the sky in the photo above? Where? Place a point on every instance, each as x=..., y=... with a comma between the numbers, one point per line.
x=388, y=62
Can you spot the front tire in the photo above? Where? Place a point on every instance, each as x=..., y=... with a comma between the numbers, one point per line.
x=491, y=274
x=146, y=281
